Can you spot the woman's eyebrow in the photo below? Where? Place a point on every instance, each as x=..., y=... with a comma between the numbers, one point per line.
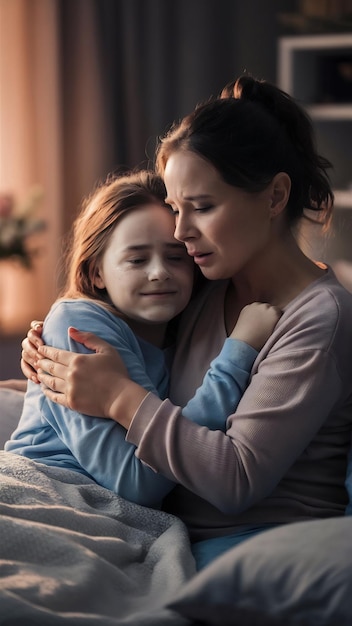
x=201, y=196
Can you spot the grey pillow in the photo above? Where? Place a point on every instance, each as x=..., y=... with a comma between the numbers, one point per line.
x=296, y=575
x=11, y=403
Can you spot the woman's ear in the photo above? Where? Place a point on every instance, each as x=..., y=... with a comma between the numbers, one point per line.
x=280, y=193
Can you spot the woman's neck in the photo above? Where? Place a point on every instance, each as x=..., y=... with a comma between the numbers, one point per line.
x=277, y=278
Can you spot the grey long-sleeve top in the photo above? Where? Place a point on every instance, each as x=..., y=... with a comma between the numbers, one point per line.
x=283, y=456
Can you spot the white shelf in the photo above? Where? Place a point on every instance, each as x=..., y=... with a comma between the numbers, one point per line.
x=343, y=199
x=303, y=63
x=330, y=112
x=315, y=42
x=300, y=74
x=291, y=49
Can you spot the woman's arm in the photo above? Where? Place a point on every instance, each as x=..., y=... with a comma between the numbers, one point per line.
x=217, y=397
x=227, y=378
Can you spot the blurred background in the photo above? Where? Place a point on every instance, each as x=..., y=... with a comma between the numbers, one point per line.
x=87, y=86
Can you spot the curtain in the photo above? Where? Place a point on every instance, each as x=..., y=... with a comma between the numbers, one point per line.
x=51, y=134
x=86, y=88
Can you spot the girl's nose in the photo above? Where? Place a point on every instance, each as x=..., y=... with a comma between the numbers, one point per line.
x=158, y=271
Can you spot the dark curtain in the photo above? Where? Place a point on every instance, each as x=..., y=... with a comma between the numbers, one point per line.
x=158, y=59
x=161, y=57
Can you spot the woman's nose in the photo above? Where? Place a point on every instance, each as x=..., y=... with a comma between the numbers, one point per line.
x=183, y=229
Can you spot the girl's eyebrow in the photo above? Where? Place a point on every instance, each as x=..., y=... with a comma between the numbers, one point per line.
x=144, y=246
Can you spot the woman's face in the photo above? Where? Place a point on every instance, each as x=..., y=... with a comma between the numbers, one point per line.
x=145, y=270
x=225, y=228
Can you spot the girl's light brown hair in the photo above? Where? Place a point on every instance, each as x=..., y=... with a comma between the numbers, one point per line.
x=94, y=225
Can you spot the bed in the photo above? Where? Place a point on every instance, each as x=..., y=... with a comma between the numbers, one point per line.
x=75, y=553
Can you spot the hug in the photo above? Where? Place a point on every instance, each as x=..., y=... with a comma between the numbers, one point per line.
x=194, y=376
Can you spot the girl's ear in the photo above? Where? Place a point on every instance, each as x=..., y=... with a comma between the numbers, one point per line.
x=280, y=193
x=98, y=281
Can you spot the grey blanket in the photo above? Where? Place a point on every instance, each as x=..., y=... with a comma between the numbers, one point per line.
x=72, y=552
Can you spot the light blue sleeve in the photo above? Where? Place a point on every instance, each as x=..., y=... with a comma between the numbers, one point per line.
x=223, y=386
x=99, y=445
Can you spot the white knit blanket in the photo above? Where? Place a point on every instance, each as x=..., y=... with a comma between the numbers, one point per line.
x=72, y=552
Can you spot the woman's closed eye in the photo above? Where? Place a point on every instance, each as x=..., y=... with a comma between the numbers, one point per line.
x=203, y=209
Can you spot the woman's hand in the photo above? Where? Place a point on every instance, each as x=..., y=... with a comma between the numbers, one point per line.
x=95, y=384
x=30, y=347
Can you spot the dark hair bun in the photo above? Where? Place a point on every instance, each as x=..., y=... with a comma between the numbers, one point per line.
x=245, y=87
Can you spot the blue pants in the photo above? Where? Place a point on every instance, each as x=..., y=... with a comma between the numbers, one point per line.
x=206, y=551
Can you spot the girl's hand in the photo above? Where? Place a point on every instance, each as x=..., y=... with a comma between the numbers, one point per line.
x=255, y=324
x=30, y=347
x=95, y=384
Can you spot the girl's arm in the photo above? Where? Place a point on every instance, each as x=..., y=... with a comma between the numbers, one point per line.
x=99, y=445
x=228, y=375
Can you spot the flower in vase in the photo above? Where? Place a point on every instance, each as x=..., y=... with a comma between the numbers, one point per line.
x=17, y=224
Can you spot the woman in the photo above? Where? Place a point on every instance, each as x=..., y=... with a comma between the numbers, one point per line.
x=240, y=172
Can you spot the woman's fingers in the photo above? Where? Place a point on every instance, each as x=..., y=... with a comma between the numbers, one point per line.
x=59, y=398
x=37, y=325
x=90, y=340
x=52, y=369
x=29, y=355
x=51, y=381
x=53, y=355
x=28, y=371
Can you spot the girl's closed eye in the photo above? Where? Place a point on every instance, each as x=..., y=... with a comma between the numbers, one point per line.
x=176, y=257
x=137, y=261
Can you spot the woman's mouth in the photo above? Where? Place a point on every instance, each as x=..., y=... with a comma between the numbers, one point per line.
x=201, y=258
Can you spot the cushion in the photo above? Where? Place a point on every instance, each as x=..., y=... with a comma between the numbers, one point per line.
x=296, y=575
x=11, y=403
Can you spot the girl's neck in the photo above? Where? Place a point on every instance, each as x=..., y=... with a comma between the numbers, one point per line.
x=152, y=333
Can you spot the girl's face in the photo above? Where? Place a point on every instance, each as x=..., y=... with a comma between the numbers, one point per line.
x=224, y=228
x=145, y=270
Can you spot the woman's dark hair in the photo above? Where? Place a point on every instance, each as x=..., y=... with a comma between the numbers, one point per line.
x=249, y=134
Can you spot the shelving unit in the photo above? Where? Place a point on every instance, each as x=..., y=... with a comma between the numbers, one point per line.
x=317, y=71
